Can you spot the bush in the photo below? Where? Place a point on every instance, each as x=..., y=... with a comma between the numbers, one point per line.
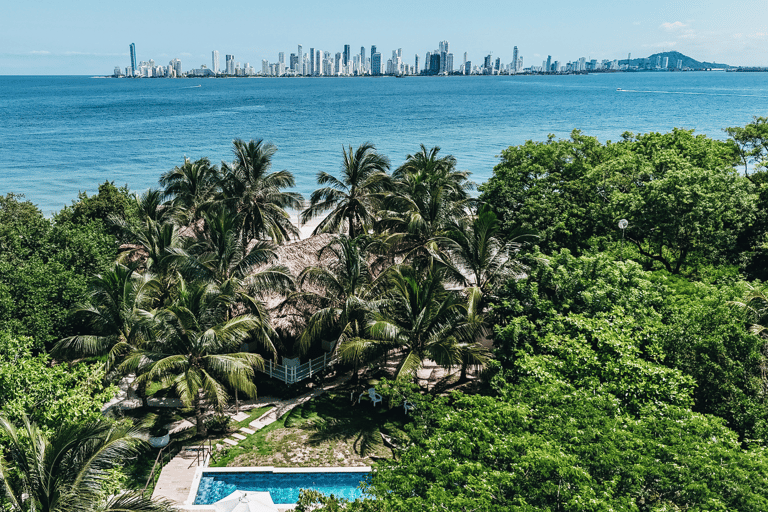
x=218, y=424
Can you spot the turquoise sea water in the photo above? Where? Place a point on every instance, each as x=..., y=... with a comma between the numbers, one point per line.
x=60, y=135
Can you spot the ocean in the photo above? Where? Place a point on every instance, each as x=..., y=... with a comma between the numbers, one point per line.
x=60, y=135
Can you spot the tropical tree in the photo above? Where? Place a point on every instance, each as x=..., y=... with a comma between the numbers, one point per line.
x=191, y=188
x=421, y=317
x=246, y=271
x=256, y=194
x=354, y=198
x=428, y=193
x=196, y=349
x=118, y=312
x=66, y=473
x=752, y=143
x=479, y=253
x=344, y=295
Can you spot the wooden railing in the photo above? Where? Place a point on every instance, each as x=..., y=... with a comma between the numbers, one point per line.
x=295, y=373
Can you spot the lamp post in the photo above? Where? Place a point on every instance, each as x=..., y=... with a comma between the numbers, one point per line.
x=623, y=223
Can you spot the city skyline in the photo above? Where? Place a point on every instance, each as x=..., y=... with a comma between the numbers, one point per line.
x=319, y=63
x=90, y=37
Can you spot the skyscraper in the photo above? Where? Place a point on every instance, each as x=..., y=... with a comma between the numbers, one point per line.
x=376, y=63
x=416, y=65
x=133, y=58
x=318, y=63
x=549, y=64
x=514, y=60
x=230, y=64
x=300, y=61
x=215, y=62
x=362, y=60
x=311, y=62
x=347, y=54
x=373, y=50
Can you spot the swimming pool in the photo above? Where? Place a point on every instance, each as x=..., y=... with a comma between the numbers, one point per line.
x=283, y=484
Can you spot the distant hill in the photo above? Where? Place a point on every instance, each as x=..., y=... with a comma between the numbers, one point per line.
x=688, y=62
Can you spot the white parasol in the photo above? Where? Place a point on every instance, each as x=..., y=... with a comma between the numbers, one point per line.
x=246, y=501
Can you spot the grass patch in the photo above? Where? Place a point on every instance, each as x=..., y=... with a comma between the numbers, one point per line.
x=326, y=431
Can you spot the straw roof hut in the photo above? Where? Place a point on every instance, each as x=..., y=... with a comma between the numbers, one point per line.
x=290, y=319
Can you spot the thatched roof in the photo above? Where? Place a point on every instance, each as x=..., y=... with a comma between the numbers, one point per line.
x=291, y=318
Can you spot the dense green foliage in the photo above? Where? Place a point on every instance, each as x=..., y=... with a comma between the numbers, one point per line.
x=684, y=201
x=631, y=363
x=44, y=267
x=50, y=394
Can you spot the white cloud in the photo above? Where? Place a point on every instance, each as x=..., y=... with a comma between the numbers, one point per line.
x=636, y=23
x=40, y=52
x=676, y=25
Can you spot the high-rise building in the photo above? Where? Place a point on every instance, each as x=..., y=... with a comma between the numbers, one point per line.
x=449, y=63
x=281, y=57
x=373, y=50
x=666, y=63
x=376, y=63
x=416, y=65
x=318, y=63
x=133, y=57
x=362, y=60
x=514, y=60
x=347, y=55
x=444, y=46
x=311, y=62
x=229, y=64
x=300, y=61
x=294, y=62
x=176, y=65
x=548, y=67
x=215, y=62
x=434, y=63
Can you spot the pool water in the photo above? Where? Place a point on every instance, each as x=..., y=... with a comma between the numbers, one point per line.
x=283, y=487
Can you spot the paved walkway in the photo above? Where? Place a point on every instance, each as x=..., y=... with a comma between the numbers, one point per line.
x=176, y=477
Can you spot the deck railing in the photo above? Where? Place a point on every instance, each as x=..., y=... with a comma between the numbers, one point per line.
x=295, y=373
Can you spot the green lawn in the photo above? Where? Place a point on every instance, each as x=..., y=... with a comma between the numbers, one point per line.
x=326, y=431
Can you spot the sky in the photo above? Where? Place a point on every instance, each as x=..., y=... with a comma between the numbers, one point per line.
x=91, y=37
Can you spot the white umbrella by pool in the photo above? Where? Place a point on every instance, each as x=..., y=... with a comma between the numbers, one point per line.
x=246, y=501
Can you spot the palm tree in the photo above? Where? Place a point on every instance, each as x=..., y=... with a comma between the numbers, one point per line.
x=473, y=329
x=118, y=313
x=221, y=257
x=66, y=472
x=429, y=193
x=344, y=294
x=353, y=198
x=422, y=318
x=478, y=253
x=191, y=188
x=196, y=349
x=254, y=193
